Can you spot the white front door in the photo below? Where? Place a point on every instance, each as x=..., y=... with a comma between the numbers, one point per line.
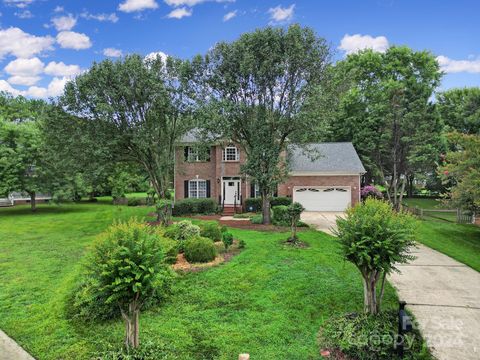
x=323, y=198
x=231, y=191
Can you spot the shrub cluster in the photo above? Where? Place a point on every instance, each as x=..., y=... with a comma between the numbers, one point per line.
x=369, y=337
x=182, y=231
x=136, y=201
x=227, y=239
x=211, y=230
x=255, y=204
x=194, y=206
x=200, y=249
x=280, y=215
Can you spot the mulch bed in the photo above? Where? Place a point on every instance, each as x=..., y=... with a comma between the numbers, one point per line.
x=242, y=224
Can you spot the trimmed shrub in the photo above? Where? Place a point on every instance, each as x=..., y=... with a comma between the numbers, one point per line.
x=182, y=231
x=253, y=204
x=104, y=289
x=136, y=201
x=369, y=337
x=200, y=249
x=257, y=219
x=211, y=231
x=280, y=215
x=194, y=206
x=227, y=239
x=281, y=200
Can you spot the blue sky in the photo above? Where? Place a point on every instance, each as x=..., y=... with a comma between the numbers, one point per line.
x=43, y=43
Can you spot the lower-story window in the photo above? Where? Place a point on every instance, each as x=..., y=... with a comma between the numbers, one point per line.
x=197, y=189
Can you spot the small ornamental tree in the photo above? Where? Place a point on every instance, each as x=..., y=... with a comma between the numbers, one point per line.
x=371, y=191
x=294, y=211
x=375, y=238
x=125, y=266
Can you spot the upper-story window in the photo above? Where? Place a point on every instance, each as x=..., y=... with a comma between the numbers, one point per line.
x=231, y=153
x=196, y=154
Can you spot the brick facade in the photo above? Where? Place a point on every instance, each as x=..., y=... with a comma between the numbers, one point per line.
x=215, y=169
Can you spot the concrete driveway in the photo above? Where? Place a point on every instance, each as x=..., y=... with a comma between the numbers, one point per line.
x=444, y=296
x=321, y=220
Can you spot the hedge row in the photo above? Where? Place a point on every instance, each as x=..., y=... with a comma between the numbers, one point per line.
x=194, y=206
x=255, y=204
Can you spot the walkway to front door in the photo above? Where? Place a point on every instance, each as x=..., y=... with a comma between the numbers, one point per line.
x=231, y=190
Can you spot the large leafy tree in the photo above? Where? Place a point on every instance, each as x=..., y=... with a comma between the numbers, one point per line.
x=386, y=111
x=462, y=168
x=264, y=91
x=22, y=155
x=131, y=110
x=460, y=109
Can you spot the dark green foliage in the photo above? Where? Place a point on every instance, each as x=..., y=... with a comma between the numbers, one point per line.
x=253, y=204
x=200, y=249
x=370, y=337
x=194, y=206
x=182, y=231
x=147, y=351
x=280, y=200
x=280, y=215
x=136, y=201
x=170, y=248
x=211, y=230
x=241, y=244
x=227, y=239
x=460, y=109
x=126, y=251
x=257, y=219
x=294, y=211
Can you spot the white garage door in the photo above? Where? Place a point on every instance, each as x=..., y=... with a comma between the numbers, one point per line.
x=323, y=198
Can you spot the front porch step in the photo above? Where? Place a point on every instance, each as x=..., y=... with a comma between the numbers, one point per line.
x=230, y=210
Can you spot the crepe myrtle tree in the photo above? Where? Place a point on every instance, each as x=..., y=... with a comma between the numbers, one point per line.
x=264, y=91
x=376, y=239
x=134, y=109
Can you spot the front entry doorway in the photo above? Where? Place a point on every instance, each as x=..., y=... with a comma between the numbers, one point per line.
x=231, y=190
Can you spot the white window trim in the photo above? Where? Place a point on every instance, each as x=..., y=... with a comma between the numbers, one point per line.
x=237, y=154
x=192, y=155
x=197, y=193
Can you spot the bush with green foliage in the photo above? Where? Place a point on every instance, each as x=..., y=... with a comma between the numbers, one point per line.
x=227, y=239
x=194, y=206
x=294, y=211
x=182, y=231
x=170, y=248
x=280, y=215
x=241, y=244
x=370, y=337
x=211, y=230
x=124, y=272
x=200, y=249
x=257, y=219
x=376, y=239
x=148, y=350
x=280, y=200
x=136, y=201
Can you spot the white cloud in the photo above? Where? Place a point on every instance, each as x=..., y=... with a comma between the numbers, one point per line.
x=5, y=86
x=100, y=17
x=230, y=15
x=16, y=42
x=455, y=66
x=73, y=40
x=137, y=5
x=64, y=23
x=180, y=13
x=154, y=55
x=18, y=3
x=25, y=14
x=25, y=67
x=55, y=88
x=58, y=9
x=61, y=69
x=354, y=43
x=191, y=3
x=279, y=14
x=112, y=52
x=24, y=80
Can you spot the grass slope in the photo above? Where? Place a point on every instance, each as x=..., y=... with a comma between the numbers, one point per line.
x=461, y=242
x=269, y=301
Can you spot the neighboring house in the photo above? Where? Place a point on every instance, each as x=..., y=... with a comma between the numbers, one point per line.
x=330, y=182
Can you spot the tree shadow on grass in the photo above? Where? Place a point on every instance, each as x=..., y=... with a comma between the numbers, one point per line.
x=42, y=209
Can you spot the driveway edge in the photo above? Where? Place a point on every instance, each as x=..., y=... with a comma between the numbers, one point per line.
x=10, y=350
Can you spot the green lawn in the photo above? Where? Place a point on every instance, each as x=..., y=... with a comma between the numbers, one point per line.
x=461, y=242
x=269, y=301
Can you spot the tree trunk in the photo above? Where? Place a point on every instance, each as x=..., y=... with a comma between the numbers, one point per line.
x=410, y=178
x=33, y=201
x=382, y=290
x=266, y=208
x=132, y=325
x=370, y=293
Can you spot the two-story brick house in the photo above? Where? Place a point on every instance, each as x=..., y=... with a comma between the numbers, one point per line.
x=329, y=182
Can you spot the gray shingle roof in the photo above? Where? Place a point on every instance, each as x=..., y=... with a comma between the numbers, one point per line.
x=334, y=158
